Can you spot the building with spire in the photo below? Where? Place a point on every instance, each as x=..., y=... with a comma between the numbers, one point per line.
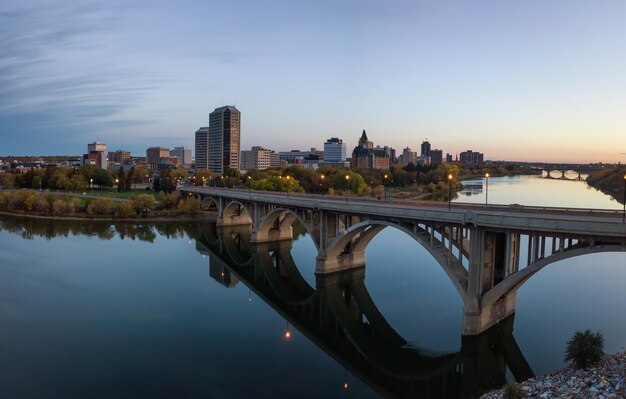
x=365, y=155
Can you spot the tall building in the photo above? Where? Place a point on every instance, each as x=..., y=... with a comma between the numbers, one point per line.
x=425, y=148
x=224, y=138
x=120, y=156
x=156, y=156
x=202, y=148
x=257, y=158
x=408, y=157
x=436, y=157
x=184, y=154
x=96, y=154
x=470, y=157
x=334, y=150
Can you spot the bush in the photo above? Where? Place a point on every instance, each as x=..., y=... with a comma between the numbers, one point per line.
x=585, y=348
x=60, y=207
x=126, y=210
x=100, y=206
x=513, y=391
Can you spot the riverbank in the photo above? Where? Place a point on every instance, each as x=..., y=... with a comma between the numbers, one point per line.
x=605, y=380
x=610, y=182
x=204, y=216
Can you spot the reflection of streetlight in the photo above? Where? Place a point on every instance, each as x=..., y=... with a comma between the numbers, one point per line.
x=624, y=211
x=487, y=188
x=347, y=187
x=449, y=196
x=345, y=378
x=287, y=332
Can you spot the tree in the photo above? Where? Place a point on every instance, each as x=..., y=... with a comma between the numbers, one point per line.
x=7, y=180
x=349, y=180
x=102, y=178
x=121, y=180
x=178, y=175
x=144, y=202
x=202, y=178
x=129, y=179
x=585, y=348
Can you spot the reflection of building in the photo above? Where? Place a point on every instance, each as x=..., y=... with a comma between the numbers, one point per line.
x=365, y=155
x=470, y=157
x=224, y=139
x=334, y=150
x=96, y=155
x=202, y=148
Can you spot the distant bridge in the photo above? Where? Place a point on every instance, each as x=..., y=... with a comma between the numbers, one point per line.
x=486, y=252
x=560, y=171
x=340, y=317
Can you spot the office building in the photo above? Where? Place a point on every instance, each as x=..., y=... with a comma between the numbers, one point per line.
x=470, y=157
x=257, y=158
x=334, y=150
x=436, y=157
x=183, y=154
x=224, y=139
x=408, y=157
x=156, y=156
x=202, y=148
x=120, y=157
x=96, y=155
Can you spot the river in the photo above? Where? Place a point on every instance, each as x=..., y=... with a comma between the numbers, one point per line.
x=166, y=310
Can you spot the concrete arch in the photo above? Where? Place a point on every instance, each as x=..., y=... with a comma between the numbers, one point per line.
x=234, y=213
x=514, y=282
x=208, y=203
x=277, y=225
x=367, y=230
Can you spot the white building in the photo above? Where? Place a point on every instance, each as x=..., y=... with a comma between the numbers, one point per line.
x=334, y=150
x=257, y=158
x=184, y=154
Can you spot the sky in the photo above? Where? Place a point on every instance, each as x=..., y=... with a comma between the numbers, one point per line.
x=516, y=80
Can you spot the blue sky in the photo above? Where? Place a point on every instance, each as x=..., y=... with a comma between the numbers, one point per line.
x=518, y=80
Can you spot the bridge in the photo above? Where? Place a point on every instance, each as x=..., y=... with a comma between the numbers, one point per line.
x=487, y=252
x=562, y=170
x=340, y=317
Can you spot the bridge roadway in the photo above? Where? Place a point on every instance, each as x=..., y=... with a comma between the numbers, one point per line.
x=552, y=219
x=487, y=252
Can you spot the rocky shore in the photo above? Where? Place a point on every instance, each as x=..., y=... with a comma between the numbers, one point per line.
x=606, y=380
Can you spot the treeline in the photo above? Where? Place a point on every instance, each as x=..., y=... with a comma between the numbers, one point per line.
x=47, y=204
x=610, y=181
x=73, y=179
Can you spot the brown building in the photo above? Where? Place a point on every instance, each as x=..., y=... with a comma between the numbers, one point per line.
x=365, y=155
x=157, y=155
x=119, y=156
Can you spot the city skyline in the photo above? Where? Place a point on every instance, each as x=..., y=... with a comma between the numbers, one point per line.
x=526, y=82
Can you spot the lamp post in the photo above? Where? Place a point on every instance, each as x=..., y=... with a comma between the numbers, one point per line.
x=347, y=187
x=487, y=188
x=249, y=185
x=449, y=196
x=385, y=186
x=624, y=211
x=91, y=184
x=287, y=186
x=322, y=177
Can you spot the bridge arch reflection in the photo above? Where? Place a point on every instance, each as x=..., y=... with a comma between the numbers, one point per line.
x=340, y=317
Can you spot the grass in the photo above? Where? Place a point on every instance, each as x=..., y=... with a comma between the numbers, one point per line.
x=110, y=192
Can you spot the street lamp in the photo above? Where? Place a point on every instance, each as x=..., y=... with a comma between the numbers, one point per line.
x=249, y=185
x=487, y=188
x=449, y=196
x=347, y=187
x=322, y=181
x=624, y=211
x=91, y=184
x=287, y=186
x=385, y=186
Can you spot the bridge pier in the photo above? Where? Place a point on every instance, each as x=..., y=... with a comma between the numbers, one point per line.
x=345, y=261
x=279, y=234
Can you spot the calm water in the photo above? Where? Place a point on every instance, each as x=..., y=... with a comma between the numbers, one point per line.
x=101, y=311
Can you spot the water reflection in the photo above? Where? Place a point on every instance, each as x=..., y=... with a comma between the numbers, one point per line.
x=337, y=314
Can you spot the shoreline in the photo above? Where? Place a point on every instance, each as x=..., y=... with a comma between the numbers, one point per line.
x=199, y=218
x=606, y=380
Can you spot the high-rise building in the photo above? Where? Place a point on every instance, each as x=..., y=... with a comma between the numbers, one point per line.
x=425, y=149
x=334, y=150
x=436, y=157
x=257, y=158
x=224, y=138
x=408, y=157
x=156, y=156
x=119, y=156
x=449, y=158
x=184, y=154
x=96, y=154
x=202, y=148
x=470, y=157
